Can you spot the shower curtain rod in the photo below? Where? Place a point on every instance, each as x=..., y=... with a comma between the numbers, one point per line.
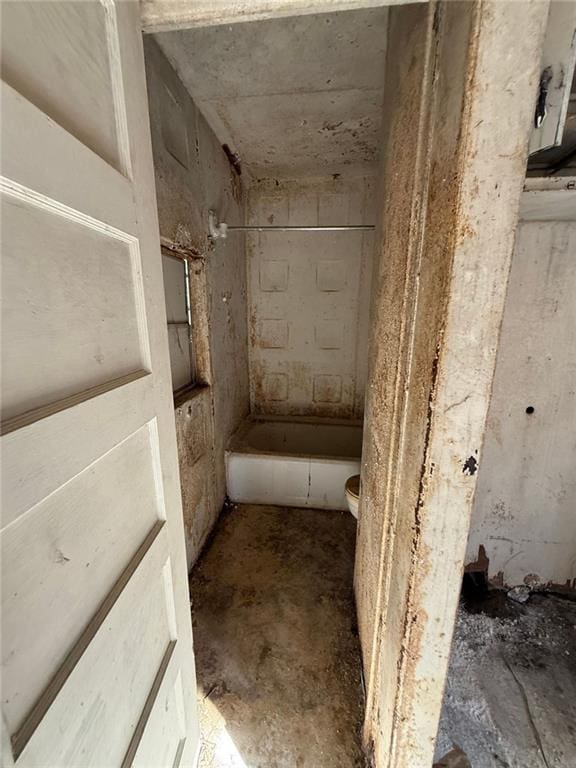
x=218, y=230
x=338, y=228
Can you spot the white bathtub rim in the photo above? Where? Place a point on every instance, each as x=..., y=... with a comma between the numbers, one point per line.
x=324, y=421
x=315, y=457
x=240, y=443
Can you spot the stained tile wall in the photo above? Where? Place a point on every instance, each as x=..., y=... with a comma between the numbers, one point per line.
x=309, y=295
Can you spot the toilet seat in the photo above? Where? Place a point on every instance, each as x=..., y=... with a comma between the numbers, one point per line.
x=353, y=486
x=352, y=493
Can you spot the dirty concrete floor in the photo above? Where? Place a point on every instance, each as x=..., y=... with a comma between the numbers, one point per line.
x=510, y=699
x=277, y=652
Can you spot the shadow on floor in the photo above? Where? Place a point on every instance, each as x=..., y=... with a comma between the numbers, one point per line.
x=276, y=646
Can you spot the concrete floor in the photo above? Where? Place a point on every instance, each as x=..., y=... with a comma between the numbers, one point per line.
x=277, y=652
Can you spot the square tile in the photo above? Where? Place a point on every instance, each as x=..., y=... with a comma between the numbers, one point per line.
x=272, y=210
x=330, y=275
x=329, y=334
x=333, y=210
x=273, y=334
x=275, y=387
x=274, y=275
x=327, y=388
x=303, y=211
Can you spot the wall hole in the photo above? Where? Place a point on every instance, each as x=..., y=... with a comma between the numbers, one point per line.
x=474, y=586
x=530, y=409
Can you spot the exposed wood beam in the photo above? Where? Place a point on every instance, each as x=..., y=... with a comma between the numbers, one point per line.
x=166, y=15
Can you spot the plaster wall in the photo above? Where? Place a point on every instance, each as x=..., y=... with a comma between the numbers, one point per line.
x=193, y=175
x=309, y=297
x=525, y=507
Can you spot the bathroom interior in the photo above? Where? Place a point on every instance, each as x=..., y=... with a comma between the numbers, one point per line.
x=265, y=139
x=295, y=299
x=251, y=128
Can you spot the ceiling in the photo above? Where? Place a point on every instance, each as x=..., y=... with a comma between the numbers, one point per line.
x=293, y=97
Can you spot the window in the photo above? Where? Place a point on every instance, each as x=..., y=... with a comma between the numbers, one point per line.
x=179, y=316
x=558, y=160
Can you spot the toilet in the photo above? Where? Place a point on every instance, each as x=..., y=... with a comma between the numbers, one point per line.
x=352, y=491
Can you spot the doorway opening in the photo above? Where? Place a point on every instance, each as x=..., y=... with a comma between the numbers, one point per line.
x=265, y=139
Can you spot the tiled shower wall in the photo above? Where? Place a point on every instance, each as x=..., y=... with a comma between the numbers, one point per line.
x=309, y=296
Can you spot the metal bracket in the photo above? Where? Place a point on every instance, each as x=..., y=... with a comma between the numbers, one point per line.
x=217, y=230
x=541, y=107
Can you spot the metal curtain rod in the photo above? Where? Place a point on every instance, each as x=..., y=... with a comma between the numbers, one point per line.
x=338, y=228
x=218, y=230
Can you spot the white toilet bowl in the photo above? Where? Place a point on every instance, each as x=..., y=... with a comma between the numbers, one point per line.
x=352, y=492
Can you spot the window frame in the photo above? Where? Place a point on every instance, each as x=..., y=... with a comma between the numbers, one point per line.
x=194, y=383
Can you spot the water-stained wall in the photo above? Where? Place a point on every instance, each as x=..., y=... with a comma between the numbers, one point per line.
x=193, y=176
x=523, y=527
x=309, y=297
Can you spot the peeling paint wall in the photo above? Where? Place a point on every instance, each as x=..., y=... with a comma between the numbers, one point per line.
x=454, y=150
x=309, y=297
x=525, y=507
x=193, y=175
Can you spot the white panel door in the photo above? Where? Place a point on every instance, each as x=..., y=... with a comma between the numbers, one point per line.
x=97, y=658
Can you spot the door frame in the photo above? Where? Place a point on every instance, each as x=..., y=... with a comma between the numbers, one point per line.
x=168, y=15
x=455, y=144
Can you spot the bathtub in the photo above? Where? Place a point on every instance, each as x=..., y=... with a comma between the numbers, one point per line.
x=294, y=463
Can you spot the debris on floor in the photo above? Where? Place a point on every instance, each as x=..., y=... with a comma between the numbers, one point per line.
x=275, y=640
x=510, y=699
x=519, y=594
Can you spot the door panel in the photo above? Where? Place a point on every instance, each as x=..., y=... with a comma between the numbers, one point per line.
x=51, y=535
x=48, y=160
x=50, y=451
x=166, y=721
x=70, y=42
x=82, y=290
x=106, y=688
x=97, y=658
